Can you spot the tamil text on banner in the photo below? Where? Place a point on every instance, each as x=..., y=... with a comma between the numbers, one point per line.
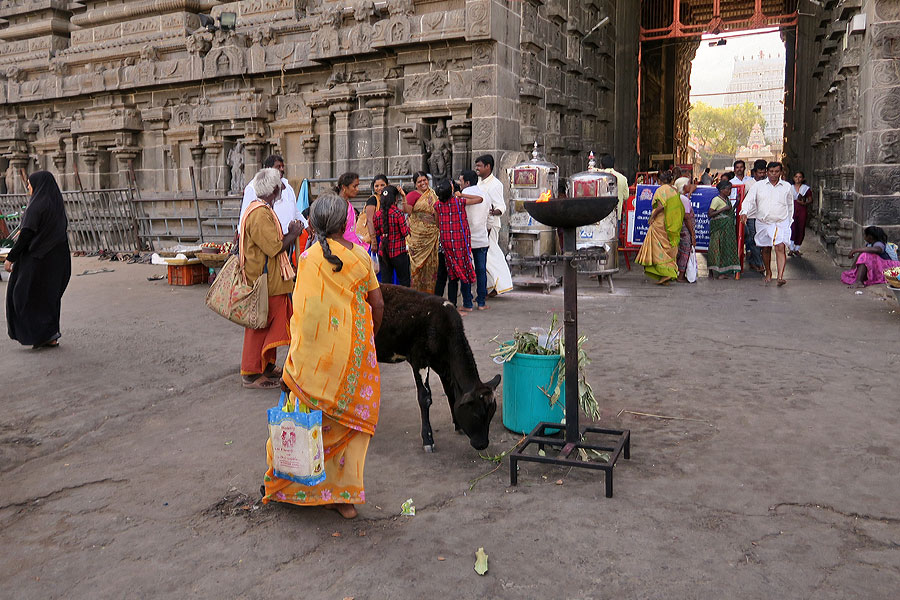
x=639, y=219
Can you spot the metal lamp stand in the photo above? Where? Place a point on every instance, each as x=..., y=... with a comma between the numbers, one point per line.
x=613, y=441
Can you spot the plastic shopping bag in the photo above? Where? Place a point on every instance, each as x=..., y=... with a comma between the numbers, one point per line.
x=297, y=452
x=691, y=271
x=373, y=254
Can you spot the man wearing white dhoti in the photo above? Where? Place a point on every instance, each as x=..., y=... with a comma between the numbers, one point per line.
x=772, y=202
x=499, y=279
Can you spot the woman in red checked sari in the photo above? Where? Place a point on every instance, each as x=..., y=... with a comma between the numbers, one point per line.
x=332, y=365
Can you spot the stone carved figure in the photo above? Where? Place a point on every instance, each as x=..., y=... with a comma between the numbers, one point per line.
x=236, y=162
x=439, y=151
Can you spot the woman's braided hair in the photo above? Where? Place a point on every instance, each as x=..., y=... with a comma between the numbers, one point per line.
x=388, y=199
x=328, y=216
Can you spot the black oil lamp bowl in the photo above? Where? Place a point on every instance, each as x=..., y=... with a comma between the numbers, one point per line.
x=571, y=212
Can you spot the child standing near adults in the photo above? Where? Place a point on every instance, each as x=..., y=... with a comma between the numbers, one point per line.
x=391, y=226
x=456, y=252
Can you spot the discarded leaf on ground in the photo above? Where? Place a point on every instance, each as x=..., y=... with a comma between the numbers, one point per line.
x=408, y=508
x=481, y=565
x=229, y=442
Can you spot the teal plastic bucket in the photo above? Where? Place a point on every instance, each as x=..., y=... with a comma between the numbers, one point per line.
x=524, y=404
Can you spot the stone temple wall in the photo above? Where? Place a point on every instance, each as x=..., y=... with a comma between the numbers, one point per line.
x=844, y=128
x=91, y=89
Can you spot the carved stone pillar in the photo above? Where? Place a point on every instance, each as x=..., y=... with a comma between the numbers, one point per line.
x=59, y=163
x=153, y=149
x=91, y=178
x=413, y=135
x=460, y=134
x=124, y=158
x=319, y=161
x=378, y=96
x=253, y=158
x=18, y=162
x=877, y=169
x=197, y=152
x=309, y=143
x=341, y=135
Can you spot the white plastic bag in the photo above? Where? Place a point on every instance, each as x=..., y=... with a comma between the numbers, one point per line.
x=691, y=271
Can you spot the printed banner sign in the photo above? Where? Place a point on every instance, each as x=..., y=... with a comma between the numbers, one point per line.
x=639, y=220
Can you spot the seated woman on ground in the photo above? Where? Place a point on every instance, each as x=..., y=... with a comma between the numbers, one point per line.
x=872, y=260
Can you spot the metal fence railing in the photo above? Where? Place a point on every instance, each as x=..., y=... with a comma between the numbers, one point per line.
x=101, y=220
x=12, y=207
x=98, y=219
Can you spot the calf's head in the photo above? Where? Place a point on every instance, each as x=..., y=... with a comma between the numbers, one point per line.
x=475, y=410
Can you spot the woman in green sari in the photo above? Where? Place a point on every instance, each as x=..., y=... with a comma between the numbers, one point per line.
x=722, y=258
x=660, y=247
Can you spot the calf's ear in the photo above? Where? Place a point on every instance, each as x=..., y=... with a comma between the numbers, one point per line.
x=493, y=383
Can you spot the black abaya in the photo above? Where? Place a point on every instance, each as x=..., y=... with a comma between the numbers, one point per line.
x=34, y=296
x=41, y=266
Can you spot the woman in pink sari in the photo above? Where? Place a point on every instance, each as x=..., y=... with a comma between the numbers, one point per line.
x=876, y=257
x=347, y=188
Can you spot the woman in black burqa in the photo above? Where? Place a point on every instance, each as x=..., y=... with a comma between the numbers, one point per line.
x=40, y=265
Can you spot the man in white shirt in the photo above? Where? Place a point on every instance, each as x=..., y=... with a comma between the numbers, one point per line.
x=499, y=279
x=772, y=203
x=286, y=206
x=477, y=215
x=754, y=256
x=607, y=163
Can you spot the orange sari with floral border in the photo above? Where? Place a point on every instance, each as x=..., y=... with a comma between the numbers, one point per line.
x=332, y=367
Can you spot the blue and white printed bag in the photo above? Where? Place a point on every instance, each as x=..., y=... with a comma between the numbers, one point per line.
x=297, y=450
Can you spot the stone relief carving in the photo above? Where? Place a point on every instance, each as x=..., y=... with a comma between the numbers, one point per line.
x=888, y=109
x=262, y=36
x=482, y=54
x=149, y=53
x=886, y=73
x=400, y=166
x=364, y=10
x=400, y=7
x=432, y=21
x=889, y=10
x=482, y=133
x=439, y=152
x=478, y=18
x=362, y=119
x=198, y=43
x=236, y=162
x=423, y=87
x=360, y=38
x=890, y=147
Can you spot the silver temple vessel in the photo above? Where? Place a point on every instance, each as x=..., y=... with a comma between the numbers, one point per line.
x=532, y=246
x=597, y=244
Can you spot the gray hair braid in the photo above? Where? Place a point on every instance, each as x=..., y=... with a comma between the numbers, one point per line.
x=328, y=216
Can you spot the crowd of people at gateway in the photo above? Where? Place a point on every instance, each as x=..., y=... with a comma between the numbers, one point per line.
x=774, y=213
x=325, y=301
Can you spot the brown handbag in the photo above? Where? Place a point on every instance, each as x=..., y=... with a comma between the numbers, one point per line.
x=231, y=296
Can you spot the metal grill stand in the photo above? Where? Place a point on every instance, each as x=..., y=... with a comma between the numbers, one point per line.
x=613, y=441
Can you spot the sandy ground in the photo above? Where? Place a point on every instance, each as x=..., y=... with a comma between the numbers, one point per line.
x=131, y=458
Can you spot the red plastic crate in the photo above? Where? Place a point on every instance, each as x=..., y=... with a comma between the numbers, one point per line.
x=187, y=274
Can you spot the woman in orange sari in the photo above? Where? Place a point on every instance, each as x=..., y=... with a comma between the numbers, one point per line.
x=332, y=365
x=424, y=235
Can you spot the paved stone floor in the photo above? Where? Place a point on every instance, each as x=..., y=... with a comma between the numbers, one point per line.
x=127, y=457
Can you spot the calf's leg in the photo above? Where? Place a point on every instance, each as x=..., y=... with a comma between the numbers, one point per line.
x=424, y=395
x=451, y=397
